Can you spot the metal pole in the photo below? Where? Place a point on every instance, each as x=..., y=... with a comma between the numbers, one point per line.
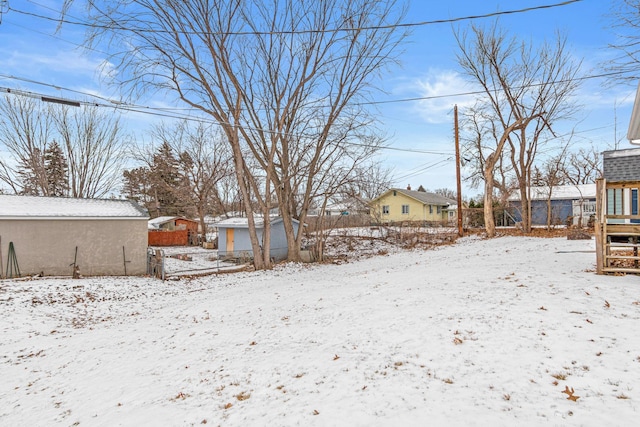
x=459, y=199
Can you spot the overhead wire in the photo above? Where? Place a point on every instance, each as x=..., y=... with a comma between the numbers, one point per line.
x=154, y=110
x=79, y=22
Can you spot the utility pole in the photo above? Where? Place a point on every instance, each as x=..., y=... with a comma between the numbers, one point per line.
x=459, y=192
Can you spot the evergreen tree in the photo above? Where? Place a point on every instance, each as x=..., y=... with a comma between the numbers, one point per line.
x=136, y=185
x=165, y=183
x=537, y=178
x=31, y=175
x=57, y=171
x=421, y=189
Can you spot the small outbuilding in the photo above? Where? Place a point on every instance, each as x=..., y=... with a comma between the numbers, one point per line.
x=234, y=241
x=563, y=204
x=173, y=231
x=54, y=236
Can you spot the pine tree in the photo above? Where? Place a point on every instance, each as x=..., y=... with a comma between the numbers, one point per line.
x=32, y=176
x=57, y=171
x=136, y=185
x=165, y=182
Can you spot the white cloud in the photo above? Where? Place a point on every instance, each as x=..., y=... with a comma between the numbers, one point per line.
x=438, y=85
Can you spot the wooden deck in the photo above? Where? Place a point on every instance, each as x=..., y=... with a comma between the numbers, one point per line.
x=618, y=233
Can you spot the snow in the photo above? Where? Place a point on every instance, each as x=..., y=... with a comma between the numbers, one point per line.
x=23, y=207
x=480, y=332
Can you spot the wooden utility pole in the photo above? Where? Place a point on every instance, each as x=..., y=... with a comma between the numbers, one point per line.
x=459, y=192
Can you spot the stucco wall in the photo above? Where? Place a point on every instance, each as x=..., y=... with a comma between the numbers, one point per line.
x=49, y=246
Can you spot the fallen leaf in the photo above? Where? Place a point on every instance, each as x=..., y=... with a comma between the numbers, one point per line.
x=570, y=393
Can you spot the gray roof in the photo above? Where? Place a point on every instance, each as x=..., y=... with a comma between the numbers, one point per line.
x=425, y=197
x=621, y=165
x=33, y=207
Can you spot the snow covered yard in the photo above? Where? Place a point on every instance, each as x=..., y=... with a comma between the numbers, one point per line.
x=482, y=332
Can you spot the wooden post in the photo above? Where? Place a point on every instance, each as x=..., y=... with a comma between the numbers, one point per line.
x=459, y=197
x=600, y=243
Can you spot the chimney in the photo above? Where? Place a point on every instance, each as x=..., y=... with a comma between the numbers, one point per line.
x=409, y=187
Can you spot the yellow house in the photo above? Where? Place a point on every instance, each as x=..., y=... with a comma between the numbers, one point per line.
x=398, y=205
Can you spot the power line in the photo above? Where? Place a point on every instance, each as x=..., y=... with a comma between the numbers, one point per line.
x=291, y=32
x=400, y=100
x=124, y=107
x=426, y=167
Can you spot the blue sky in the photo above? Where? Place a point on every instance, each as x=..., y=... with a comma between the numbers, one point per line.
x=32, y=52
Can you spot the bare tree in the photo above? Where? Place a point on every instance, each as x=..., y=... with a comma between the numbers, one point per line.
x=94, y=145
x=203, y=162
x=583, y=166
x=551, y=176
x=25, y=131
x=446, y=192
x=91, y=142
x=525, y=92
x=625, y=22
x=283, y=78
x=480, y=142
x=370, y=180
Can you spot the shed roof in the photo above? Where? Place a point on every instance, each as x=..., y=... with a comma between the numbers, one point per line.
x=34, y=207
x=243, y=222
x=560, y=192
x=155, y=223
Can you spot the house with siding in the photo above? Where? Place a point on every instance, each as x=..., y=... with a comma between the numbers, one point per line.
x=52, y=235
x=397, y=205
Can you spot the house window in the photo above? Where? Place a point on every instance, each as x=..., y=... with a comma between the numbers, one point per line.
x=394, y=192
x=634, y=205
x=439, y=209
x=405, y=209
x=430, y=209
x=588, y=207
x=615, y=201
x=385, y=210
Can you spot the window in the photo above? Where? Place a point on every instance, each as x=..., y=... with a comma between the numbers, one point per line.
x=634, y=205
x=385, y=210
x=615, y=201
x=439, y=209
x=430, y=209
x=405, y=209
x=588, y=207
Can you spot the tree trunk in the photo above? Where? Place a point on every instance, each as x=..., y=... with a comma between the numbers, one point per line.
x=489, y=222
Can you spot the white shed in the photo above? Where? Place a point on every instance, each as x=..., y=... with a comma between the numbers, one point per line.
x=50, y=235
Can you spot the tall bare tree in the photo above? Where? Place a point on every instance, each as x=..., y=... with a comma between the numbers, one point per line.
x=283, y=78
x=91, y=142
x=26, y=127
x=94, y=146
x=525, y=91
